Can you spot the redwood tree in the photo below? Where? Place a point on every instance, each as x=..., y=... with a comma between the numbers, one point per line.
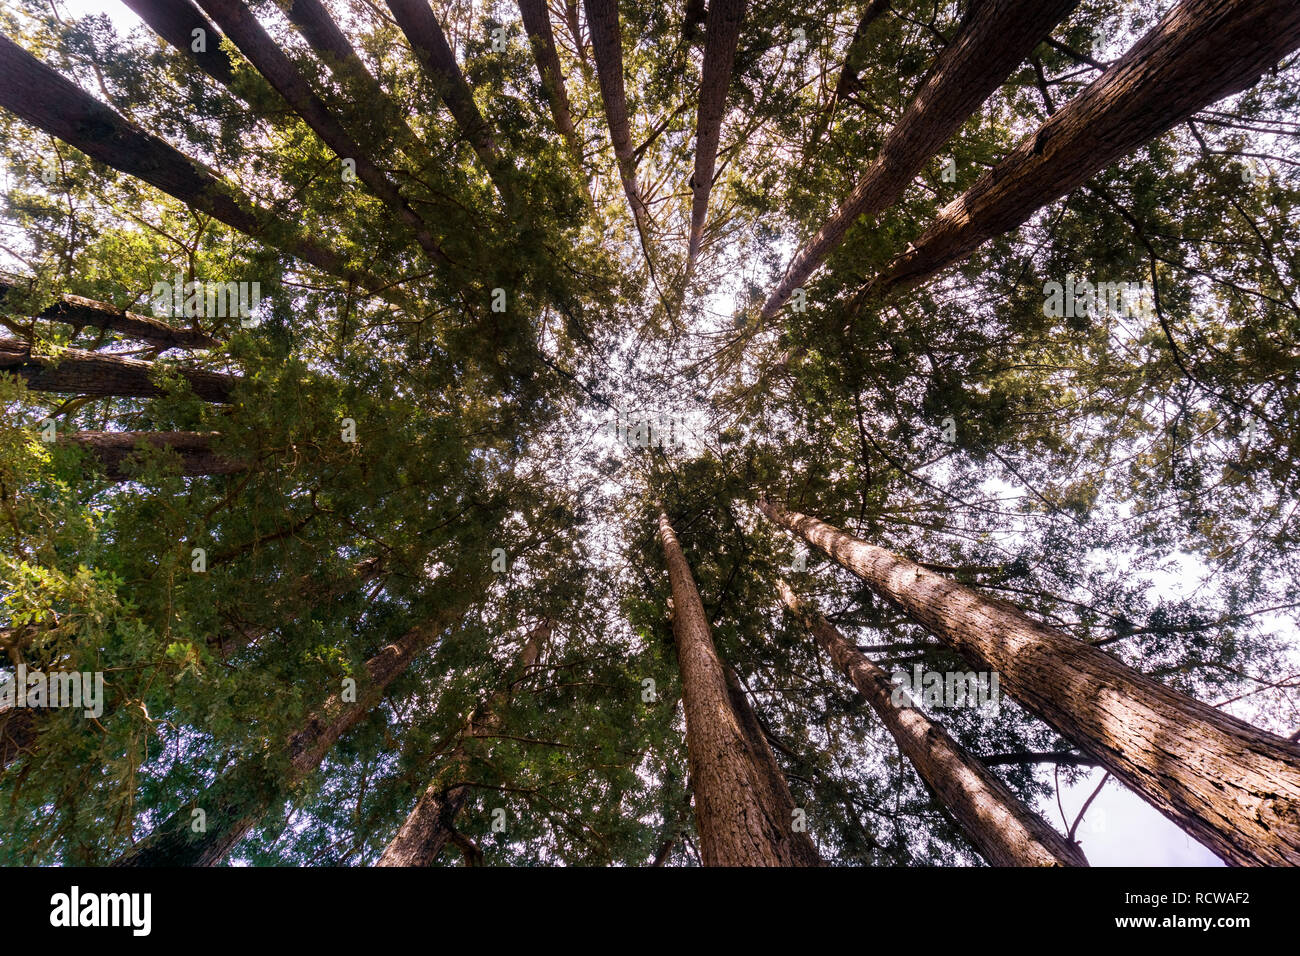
x=743, y=808
x=1231, y=785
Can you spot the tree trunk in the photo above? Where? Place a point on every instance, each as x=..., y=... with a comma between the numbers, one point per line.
x=336, y=52
x=49, y=101
x=1200, y=52
x=431, y=825
x=175, y=21
x=240, y=798
x=1004, y=830
x=723, y=33
x=76, y=372
x=79, y=313
x=285, y=78
x=537, y=23
x=430, y=46
x=607, y=47
x=986, y=50
x=743, y=808
x=1232, y=786
x=848, y=81
x=575, y=31
x=116, y=452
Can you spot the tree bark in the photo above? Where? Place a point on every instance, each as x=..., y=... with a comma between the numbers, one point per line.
x=537, y=23
x=336, y=52
x=1234, y=787
x=79, y=313
x=49, y=101
x=239, y=799
x=1003, y=830
x=1200, y=52
x=985, y=51
x=430, y=826
x=116, y=452
x=77, y=372
x=848, y=82
x=607, y=48
x=723, y=33
x=430, y=46
x=285, y=78
x=743, y=808
x=175, y=21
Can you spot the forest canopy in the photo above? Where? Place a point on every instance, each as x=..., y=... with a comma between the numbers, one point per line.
x=675, y=433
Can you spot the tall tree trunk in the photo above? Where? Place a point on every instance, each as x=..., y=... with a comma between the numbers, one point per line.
x=77, y=372
x=430, y=826
x=239, y=799
x=848, y=82
x=607, y=47
x=336, y=52
x=79, y=313
x=1004, y=830
x=116, y=452
x=430, y=46
x=575, y=31
x=537, y=23
x=743, y=808
x=175, y=21
x=987, y=48
x=1234, y=787
x=723, y=33
x=1200, y=52
x=51, y=102
x=285, y=78
x=849, y=72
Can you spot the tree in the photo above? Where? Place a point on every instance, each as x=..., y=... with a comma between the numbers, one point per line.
x=431, y=824
x=1159, y=82
x=607, y=50
x=537, y=21
x=1006, y=832
x=86, y=373
x=45, y=99
x=235, y=802
x=972, y=67
x=743, y=808
x=1227, y=791
x=723, y=32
